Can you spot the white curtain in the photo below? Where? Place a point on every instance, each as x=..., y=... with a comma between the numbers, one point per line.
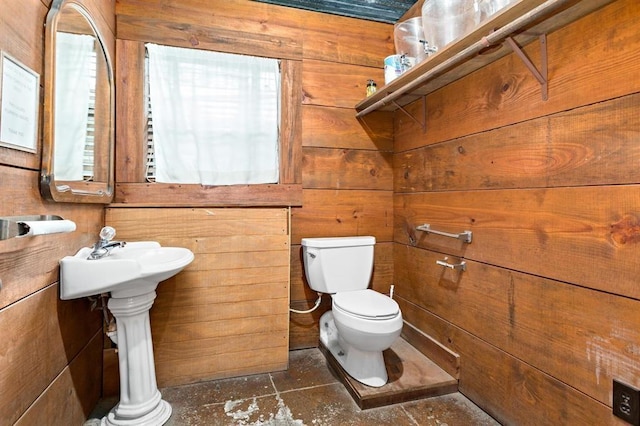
x=73, y=86
x=215, y=116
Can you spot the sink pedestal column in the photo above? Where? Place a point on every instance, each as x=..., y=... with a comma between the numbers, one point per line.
x=140, y=400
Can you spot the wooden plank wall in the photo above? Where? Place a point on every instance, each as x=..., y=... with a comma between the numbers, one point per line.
x=347, y=175
x=548, y=312
x=50, y=361
x=226, y=314
x=346, y=166
x=234, y=30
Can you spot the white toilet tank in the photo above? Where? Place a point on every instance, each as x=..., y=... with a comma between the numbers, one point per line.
x=337, y=264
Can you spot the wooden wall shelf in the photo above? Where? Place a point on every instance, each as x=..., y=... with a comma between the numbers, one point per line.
x=521, y=23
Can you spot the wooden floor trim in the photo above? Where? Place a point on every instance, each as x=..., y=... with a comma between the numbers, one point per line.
x=448, y=360
x=411, y=376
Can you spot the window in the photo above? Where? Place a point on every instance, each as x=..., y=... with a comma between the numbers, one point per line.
x=215, y=117
x=75, y=112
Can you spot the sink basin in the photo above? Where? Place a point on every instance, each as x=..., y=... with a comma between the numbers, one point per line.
x=132, y=270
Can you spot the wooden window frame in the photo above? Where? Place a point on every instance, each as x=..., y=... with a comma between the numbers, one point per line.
x=131, y=185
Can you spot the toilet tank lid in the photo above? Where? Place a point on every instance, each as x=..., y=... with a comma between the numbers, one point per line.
x=338, y=241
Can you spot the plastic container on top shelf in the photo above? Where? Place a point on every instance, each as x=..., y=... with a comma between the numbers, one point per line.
x=447, y=20
x=408, y=37
x=488, y=8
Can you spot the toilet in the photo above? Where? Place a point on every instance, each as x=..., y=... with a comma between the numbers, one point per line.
x=362, y=322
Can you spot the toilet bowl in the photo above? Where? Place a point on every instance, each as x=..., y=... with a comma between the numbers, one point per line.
x=362, y=323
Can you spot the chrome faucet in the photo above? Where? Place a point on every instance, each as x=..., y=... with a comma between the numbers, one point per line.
x=104, y=245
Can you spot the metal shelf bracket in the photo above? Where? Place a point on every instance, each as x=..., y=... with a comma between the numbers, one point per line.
x=542, y=75
x=423, y=124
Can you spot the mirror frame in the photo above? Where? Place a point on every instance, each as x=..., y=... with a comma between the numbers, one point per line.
x=83, y=192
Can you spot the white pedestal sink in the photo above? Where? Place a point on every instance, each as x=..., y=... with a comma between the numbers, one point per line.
x=131, y=274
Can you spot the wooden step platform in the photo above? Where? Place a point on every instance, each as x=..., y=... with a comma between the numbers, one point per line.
x=411, y=376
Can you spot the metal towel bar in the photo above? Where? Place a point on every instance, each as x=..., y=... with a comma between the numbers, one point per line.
x=464, y=236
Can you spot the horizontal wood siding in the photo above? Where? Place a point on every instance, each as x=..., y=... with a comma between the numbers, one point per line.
x=589, y=145
x=50, y=361
x=346, y=168
x=66, y=397
x=546, y=314
x=347, y=174
x=590, y=230
x=232, y=26
x=506, y=92
x=226, y=314
x=330, y=127
x=43, y=334
x=531, y=318
x=341, y=173
x=510, y=390
x=334, y=213
x=345, y=40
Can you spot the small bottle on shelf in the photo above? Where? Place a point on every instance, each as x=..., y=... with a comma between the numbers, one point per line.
x=371, y=87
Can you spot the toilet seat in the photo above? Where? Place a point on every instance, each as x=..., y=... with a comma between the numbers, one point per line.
x=366, y=304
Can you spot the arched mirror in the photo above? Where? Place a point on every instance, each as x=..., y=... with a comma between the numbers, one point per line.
x=78, y=131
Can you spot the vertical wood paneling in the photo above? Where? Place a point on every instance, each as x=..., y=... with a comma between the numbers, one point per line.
x=226, y=314
x=290, y=132
x=131, y=128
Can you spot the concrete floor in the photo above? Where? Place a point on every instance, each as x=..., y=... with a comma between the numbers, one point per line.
x=308, y=393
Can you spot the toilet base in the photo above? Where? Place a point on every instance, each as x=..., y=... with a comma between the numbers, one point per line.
x=366, y=367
